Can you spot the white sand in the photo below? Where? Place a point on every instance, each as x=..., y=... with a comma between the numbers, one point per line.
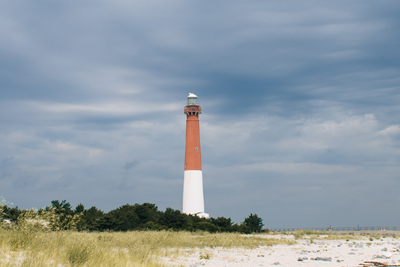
x=342, y=253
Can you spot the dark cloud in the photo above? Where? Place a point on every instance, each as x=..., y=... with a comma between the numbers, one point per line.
x=131, y=164
x=6, y=167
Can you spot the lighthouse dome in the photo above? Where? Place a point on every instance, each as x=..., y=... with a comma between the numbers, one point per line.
x=192, y=100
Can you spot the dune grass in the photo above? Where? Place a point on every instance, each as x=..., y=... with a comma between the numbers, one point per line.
x=32, y=247
x=321, y=235
x=328, y=235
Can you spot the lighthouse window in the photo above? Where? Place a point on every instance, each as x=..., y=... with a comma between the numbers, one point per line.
x=192, y=101
x=196, y=148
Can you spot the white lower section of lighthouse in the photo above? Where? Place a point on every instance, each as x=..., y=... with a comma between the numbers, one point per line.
x=193, y=198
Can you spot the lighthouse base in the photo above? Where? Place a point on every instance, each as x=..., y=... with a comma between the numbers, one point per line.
x=193, y=198
x=203, y=215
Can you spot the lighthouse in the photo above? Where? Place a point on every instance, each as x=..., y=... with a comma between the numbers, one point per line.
x=193, y=197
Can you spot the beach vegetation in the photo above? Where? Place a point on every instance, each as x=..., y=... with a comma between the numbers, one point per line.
x=34, y=245
x=253, y=223
x=205, y=256
x=62, y=216
x=339, y=236
x=322, y=235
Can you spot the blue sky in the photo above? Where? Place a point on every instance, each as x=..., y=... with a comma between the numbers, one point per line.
x=300, y=102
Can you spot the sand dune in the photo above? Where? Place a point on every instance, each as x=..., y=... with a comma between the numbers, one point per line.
x=305, y=253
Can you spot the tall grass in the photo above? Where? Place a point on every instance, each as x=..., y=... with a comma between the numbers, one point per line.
x=32, y=246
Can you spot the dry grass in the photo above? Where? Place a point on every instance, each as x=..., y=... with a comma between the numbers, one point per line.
x=334, y=236
x=30, y=246
x=325, y=235
x=315, y=234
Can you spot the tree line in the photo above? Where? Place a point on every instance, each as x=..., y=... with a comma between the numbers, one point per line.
x=61, y=216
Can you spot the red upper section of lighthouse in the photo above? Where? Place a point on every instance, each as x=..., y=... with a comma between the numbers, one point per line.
x=192, y=149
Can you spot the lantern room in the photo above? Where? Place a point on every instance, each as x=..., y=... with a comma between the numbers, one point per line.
x=192, y=107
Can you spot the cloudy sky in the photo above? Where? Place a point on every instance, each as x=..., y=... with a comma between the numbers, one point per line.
x=300, y=101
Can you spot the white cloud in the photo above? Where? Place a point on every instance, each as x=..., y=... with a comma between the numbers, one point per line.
x=116, y=108
x=299, y=168
x=390, y=131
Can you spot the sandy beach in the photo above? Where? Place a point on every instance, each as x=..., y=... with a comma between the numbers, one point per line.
x=307, y=252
